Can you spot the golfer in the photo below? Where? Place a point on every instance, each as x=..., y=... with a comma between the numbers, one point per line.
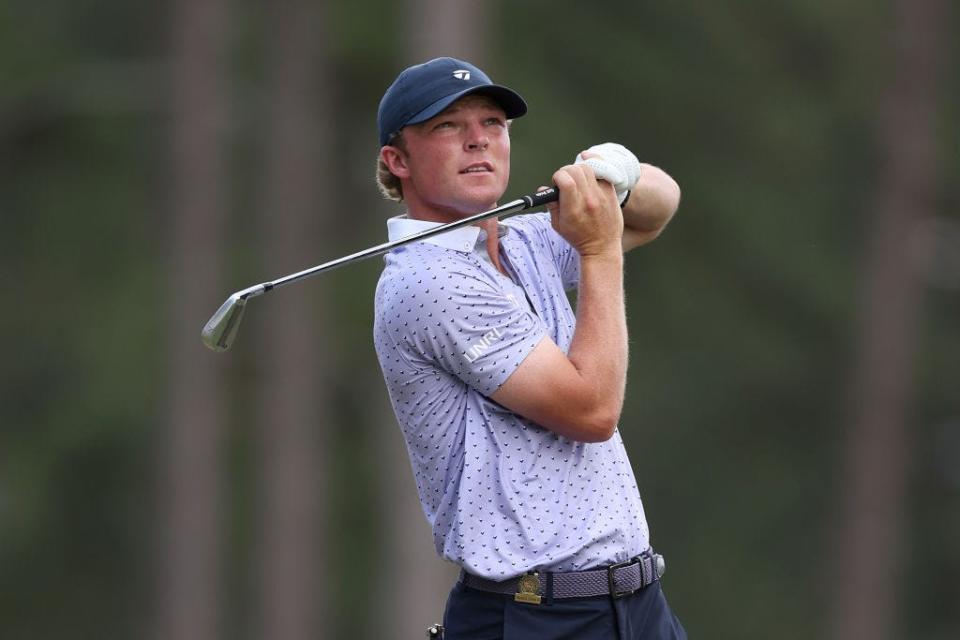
x=508, y=400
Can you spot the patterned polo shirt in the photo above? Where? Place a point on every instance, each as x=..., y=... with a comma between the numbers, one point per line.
x=502, y=494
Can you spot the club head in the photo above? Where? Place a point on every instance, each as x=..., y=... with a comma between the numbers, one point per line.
x=221, y=329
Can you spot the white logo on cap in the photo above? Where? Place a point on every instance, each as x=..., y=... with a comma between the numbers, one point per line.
x=461, y=74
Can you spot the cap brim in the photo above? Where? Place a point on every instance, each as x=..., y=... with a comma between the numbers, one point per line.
x=509, y=100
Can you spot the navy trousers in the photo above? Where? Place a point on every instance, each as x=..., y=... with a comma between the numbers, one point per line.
x=479, y=615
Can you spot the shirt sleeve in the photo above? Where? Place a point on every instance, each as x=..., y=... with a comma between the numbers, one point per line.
x=463, y=323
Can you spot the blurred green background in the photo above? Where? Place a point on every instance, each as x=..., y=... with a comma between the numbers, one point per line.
x=793, y=412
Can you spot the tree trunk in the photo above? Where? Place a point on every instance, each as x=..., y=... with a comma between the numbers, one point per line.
x=879, y=447
x=458, y=28
x=293, y=404
x=189, y=496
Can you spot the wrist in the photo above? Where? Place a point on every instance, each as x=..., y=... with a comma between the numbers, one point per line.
x=604, y=253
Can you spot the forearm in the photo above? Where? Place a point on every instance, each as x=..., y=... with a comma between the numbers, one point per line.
x=599, y=347
x=579, y=393
x=652, y=202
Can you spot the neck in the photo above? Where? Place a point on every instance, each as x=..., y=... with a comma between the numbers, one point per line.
x=434, y=214
x=431, y=211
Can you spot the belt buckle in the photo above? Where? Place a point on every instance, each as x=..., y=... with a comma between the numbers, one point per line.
x=616, y=595
x=528, y=588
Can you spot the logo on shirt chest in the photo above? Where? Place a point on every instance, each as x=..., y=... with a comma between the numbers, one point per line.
x=477, y=349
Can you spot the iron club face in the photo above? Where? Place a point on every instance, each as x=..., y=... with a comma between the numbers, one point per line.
x=221, y=329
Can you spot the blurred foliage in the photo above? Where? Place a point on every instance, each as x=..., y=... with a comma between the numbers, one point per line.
x=741, y=314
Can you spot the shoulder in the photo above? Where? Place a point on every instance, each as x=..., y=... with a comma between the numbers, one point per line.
x=421, y=267
x=530, y=224
x=536, y=231
x=536, y=227
x=421, y=280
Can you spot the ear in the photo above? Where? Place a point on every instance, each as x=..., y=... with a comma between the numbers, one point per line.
x=396, y=161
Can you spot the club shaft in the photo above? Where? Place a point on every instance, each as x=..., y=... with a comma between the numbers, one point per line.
x=511, y=208
x=221, y=329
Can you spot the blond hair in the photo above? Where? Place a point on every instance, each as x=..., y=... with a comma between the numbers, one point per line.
x=387, y=182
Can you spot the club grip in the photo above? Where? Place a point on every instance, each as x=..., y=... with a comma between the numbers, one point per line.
x=541, y=197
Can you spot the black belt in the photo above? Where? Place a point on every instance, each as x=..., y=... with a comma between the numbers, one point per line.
x=617, y=581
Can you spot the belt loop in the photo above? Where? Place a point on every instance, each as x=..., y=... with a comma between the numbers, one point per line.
x=647, y=568
x=646, y=574
x=548, y=590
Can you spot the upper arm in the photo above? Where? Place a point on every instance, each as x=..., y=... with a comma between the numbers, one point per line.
x=549, y=390
x=462, y=324
x=633, y=239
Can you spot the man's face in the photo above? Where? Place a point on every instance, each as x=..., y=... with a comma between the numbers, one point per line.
x=458, y=162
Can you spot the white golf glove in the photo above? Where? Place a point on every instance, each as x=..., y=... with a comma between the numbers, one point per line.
x=616, y=164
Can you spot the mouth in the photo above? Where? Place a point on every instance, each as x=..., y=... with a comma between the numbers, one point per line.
x=478, y=167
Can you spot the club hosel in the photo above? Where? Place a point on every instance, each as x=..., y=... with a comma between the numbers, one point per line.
x=251, y=292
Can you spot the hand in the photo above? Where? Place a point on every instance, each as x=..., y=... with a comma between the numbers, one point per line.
x=614, y=163
x=587, y=214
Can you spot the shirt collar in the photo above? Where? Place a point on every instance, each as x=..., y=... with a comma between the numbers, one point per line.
x=463, y=239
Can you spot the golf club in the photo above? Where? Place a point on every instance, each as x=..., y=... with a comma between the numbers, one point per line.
x=221, y=329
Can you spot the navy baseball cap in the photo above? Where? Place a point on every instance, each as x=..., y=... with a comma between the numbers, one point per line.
x=424, y=90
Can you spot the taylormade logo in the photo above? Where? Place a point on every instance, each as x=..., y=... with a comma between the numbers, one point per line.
x=461, y=74
x=480, y=347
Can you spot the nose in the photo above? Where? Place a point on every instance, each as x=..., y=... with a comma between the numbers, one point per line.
x=478, y=143
x=477, y=139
